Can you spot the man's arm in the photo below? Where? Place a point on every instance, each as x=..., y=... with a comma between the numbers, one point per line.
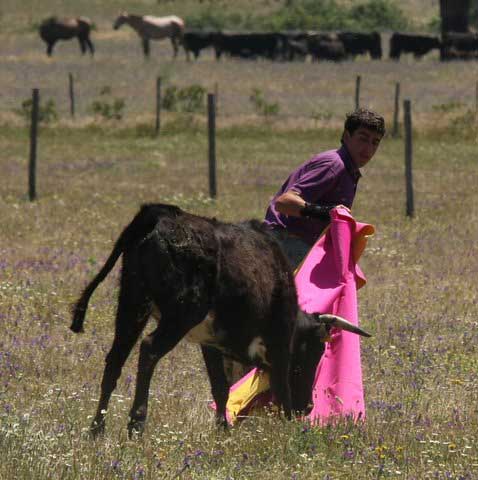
x=291, y=203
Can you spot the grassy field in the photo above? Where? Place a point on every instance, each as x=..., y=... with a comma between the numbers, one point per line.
x=421, y=366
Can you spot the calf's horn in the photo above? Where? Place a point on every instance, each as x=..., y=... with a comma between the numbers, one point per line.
x=339, y=322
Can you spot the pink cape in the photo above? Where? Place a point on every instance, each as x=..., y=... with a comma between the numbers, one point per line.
x=327, y=282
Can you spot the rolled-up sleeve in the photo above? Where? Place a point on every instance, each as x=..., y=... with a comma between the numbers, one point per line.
x=317, y=181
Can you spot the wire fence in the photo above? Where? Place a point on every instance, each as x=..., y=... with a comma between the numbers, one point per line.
x=74, y=101
x=317, y=92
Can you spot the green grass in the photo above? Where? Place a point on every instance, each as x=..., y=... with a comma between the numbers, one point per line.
x=420, y=303
x=420, y=368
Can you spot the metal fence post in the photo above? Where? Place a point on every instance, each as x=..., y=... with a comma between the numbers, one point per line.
x=158, y=105
x=396, y=111
x=71, y=90
x=357, y=92
x=211, y=110
x=33, y=145
x=407, y=117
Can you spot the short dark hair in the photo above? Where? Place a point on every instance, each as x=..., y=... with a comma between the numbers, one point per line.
x=364, y=118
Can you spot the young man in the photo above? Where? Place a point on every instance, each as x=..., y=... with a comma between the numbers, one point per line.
x=299, y=212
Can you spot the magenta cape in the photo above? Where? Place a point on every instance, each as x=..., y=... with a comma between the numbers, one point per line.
x=327, y=282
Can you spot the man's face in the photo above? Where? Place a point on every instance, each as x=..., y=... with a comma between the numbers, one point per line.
x=362, y=145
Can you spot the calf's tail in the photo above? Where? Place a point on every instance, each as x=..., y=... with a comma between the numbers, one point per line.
x=142, y=224
x=80, y=307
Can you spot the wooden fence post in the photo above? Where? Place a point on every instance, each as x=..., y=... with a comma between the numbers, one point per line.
x=476, y=110
x=407, y=120
x=396, y=111
x=158, y=105
x=71, y=90
x=33, y=145
x=357, y=92
x=211, y=110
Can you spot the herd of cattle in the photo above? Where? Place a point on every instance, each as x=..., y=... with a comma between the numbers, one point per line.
x=283, y=46
x=337, y=46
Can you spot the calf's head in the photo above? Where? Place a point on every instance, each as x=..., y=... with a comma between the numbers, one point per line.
x=308, y=345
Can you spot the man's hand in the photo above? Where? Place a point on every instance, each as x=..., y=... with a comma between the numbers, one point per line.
x=311, y=210
x=344, y=207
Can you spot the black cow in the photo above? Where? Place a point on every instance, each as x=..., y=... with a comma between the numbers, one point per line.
x=325, y=46
x=248, y=45
x=419, y=45
x=197, y=40
x=459, y=46
x=294, y=45
x=53, y=29
x=356, y=43
x=228, y=287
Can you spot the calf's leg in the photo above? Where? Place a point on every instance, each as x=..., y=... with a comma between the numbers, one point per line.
x=279, y=377
x=157, y=344
x=219, y=385
x=132, y=314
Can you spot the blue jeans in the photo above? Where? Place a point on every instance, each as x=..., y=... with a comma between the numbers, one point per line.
x=294, y=248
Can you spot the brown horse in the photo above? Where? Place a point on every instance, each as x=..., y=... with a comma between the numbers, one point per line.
x=153, y=28
x=53, y=29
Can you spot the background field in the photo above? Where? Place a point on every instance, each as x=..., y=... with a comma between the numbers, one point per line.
x=421, y=366
x=15, y=17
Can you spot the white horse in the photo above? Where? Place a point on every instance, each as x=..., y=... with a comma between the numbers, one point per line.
x=153, y=28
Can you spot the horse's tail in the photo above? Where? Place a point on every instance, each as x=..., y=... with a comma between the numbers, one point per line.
x=143, y=223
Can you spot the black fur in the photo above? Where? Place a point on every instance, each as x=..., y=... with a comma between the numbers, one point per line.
x=186, y=266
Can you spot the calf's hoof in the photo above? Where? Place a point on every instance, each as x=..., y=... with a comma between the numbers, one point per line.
x=97, y=429
x=222, y=423
x=135, y=428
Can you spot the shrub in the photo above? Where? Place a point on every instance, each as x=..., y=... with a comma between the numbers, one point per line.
x=109, y=107
x=378, y=15
x=474, y=15
x=328, y=15
x=207, y=20
x=447, y=107
x=309, y=15
x=261, y=106
x=434, y=25
x=187, y=99
x=112, y=110
x=464, y=126
x=46, y=112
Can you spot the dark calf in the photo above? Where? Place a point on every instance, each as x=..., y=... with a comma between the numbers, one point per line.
x=228, y=287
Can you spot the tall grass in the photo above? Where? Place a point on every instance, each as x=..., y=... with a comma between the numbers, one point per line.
x=420, y=368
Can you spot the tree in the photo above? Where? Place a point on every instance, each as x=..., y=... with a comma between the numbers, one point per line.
x=455, y=15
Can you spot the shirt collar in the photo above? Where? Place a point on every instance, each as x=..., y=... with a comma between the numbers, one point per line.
x=348, y=162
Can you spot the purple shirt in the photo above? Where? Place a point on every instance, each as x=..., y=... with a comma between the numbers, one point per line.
x=329, y=178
